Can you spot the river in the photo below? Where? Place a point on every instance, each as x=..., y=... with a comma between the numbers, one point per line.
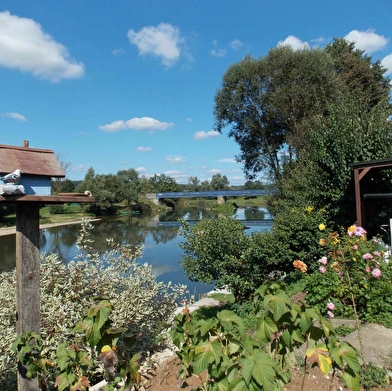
x=159, y=236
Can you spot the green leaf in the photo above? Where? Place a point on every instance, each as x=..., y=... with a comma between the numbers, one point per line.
x=351, y=380
x=204, y=356
x=277, y=304
x=261, y=368
x=62, y=357
x=266, y=328
x=228, y=319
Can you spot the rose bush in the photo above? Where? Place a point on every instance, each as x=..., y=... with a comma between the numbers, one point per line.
x=354, y=273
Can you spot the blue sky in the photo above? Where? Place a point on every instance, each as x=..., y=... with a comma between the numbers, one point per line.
x=130, y=84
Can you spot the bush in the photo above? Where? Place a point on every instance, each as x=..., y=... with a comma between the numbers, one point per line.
x=353, y=275
x=237, y=360
x=142, y=306
x=58, y=209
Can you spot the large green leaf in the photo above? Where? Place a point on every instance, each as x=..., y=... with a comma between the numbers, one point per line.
x=266, y=328
x=277, y=304
x=206, y=353
x=351, y=380
x=261, y=368
x=228, y=319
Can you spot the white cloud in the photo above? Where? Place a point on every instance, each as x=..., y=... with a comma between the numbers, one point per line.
x=201, y=135
x=177, y=175
x=227, y=160
x=79, y=168
x=162, y=41
x=17, y=116
x=294, y=42
x=174, y=172
x=175, y=160
x=218, y=53
x=367, y=40
x=214, y=171
x=236, y=44
x=25, y=46
x=143, y=149
x=141, y=169
x=387, y=63
x=116, y=52
x=144, y=123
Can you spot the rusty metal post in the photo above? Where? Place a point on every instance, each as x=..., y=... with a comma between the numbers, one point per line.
x=27, y=279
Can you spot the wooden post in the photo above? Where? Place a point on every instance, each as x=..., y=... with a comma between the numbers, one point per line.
x=27, y=279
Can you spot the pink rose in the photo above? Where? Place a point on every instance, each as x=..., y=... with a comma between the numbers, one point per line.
x=322, y=269
x=368, y=269
x=331, y=306
x=355, y=247
x=330, y=314
x=323, y=260
x=376, y=273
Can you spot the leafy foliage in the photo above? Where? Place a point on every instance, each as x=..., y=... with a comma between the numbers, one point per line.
x=353, y=274
x=236, y=360
x=73, y=363
x=142, y=306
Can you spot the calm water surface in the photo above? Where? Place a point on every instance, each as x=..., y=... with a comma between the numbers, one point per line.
x=159, y=236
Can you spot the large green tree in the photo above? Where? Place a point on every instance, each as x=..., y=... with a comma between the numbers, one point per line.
x=270, y=102
x=219, y=182
x=304, y=116
x=129, y=186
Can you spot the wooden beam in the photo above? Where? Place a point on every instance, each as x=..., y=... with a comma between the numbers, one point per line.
x=14, y=199
x=358, y=206
x=27, y=280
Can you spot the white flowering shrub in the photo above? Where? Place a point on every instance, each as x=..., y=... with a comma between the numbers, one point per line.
x=141, y=305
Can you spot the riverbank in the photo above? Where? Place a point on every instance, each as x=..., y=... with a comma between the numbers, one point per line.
x=11, y=230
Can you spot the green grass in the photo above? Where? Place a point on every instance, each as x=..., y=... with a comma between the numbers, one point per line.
x=72, y=212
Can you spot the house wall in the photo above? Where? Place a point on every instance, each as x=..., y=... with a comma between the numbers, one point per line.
x=36, y=185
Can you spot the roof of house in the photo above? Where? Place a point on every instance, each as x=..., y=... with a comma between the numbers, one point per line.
x=31, y=161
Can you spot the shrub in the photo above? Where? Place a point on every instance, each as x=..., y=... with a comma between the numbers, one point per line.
x=353, y=275
x=236, y=360
x=142, y=306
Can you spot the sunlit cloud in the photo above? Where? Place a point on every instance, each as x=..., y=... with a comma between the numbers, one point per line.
x=144, y=123
x=17, y=116
x=218, y=53
x=141, y=169
x=117, y=52
x=179, y=176
x=294, y=42
x=227, y=160
x=367, y=40
x=175, y=160
x=386, y=62
x=163, y=41
x=143, y=149
x=25, y=46
x=79, y=168
x=236, y=44
x=201, y=135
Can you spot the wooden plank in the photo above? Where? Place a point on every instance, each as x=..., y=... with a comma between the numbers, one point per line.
x=27, y=280
x=82, y=199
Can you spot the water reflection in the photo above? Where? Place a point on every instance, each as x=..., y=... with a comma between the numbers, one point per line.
x=160, y=243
